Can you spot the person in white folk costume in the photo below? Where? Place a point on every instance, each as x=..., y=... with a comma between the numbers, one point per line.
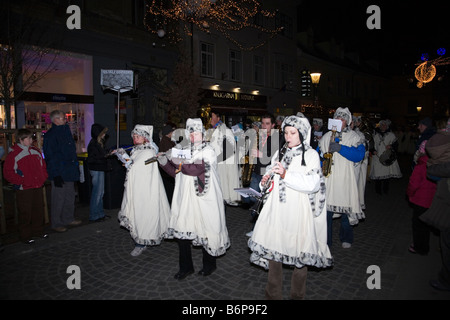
x=342, y=186
x=222, y=140
x=145, y=210
x=198, y=210
x=384, y=139
x=292, y=226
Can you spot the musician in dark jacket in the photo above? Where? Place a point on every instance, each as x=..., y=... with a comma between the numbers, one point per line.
x=97, y=164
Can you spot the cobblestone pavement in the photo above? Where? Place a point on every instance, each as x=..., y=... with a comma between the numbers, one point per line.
x=102, y=252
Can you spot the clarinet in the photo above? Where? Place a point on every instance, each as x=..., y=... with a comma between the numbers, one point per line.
x=151, y=160
x=256, y=208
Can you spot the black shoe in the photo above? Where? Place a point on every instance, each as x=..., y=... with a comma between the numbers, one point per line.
x=45, y=236
x=31, y=241
x=206, y=273
x=436, y=284
x=180, y=275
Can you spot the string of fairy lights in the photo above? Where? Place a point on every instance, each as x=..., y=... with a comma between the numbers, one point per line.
x=174, y=19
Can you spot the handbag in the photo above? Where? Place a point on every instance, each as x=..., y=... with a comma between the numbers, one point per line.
x=388, y=157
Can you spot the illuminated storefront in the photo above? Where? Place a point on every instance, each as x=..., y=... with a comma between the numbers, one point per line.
x=67, y=88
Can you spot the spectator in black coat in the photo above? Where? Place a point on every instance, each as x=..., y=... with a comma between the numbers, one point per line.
x=97, y=164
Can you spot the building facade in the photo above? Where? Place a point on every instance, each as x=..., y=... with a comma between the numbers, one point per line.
x=244, y=81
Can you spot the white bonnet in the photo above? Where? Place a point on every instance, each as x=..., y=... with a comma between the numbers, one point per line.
x=301, y=124
x=195, y=125
x=318, y=121
x=143, y=131
x=343, y=113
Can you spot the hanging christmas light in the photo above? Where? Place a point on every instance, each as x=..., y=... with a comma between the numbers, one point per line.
x=177, y=18
x=425, y=73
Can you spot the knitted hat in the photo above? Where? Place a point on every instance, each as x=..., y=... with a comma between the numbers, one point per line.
x=301, y=124
x=387, y=122
x=143, y=131
x=356, y=119
x=303, y=127
x=343, y=113
x=427, y=122
x=318, y=121
x=256, y=124
x=195, y=125
x=167, y=129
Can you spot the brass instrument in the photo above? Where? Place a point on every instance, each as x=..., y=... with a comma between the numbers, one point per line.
x=328, y=157
x=249, y=166
x=256, y=208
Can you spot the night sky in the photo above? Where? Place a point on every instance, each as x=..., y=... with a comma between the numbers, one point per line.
x=408, y=28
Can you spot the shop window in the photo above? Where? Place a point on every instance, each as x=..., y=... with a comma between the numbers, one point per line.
x=3, y=123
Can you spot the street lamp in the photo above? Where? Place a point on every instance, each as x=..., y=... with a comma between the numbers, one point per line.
x=315, y=79
x=419, y=108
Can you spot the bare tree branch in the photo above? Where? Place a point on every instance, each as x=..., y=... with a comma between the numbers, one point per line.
x=26, y=54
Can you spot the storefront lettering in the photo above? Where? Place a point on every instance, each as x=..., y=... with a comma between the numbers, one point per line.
x=224, y=95
x=59, y=98
x=247, y=97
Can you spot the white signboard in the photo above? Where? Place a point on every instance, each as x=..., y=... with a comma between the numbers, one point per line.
x=248, y=192
x=117, y=80
x=335, y=124
x=181, y=154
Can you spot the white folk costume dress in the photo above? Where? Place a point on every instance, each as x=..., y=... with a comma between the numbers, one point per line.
x=292, y=225
x=198, y=211
x=342, y=184
x=377, y=170
x=145, y=210
x=228, y=168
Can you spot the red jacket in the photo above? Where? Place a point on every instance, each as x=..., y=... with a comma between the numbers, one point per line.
x=25, y=168
x=420, y=189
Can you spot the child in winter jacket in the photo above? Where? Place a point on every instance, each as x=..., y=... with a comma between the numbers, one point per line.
x=25, y=168
x=420, y=193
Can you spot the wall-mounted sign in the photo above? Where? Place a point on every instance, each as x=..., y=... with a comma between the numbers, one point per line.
x=234, y=96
